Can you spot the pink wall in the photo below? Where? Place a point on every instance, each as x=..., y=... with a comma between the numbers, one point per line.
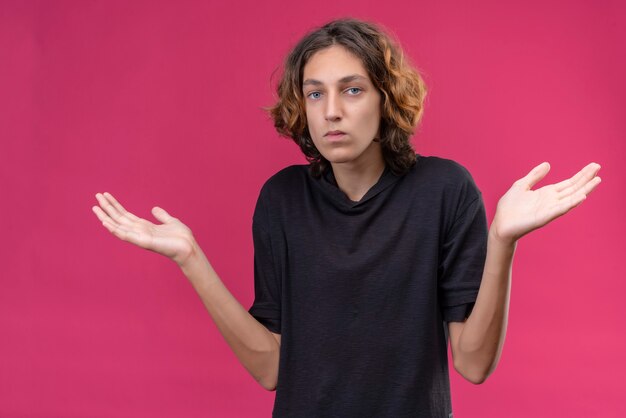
x=160, y=104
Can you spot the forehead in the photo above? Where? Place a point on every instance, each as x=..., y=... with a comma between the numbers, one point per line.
x=333, y=63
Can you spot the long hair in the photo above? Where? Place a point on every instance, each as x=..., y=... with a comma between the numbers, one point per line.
x=402, y=90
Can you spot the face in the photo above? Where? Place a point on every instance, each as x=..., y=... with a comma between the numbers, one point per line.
x=342, y=107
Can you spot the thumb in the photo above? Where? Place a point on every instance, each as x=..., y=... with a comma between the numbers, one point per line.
x=535, y=175
x=161, y=214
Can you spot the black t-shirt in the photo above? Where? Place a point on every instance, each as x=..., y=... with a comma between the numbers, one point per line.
x=361, y=291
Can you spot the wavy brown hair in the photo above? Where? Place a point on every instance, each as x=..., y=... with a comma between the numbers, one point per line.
x=402, y=90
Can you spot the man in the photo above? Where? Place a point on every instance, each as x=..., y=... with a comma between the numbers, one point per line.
x=368, y=255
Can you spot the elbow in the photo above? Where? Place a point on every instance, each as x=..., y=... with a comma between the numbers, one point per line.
x=269, y=385
x=477, y=379
x=476, y=365
x=268, y=372
x=474, y=374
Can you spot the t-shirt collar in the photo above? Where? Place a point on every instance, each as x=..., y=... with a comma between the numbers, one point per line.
x=329, y=184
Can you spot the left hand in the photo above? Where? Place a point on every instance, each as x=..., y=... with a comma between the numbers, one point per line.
x=522, y=210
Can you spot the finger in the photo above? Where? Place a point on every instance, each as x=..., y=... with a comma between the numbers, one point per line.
x=592, y=185
x=568, y=182
x=107, y=207
x=534, y=176
x=117, y=205
x=102, y=215
x=162, y=215
x=580, y=180
x=575, y=178
x=577, y=198
x=119, y=208
x=120, y=231
x=111, y=210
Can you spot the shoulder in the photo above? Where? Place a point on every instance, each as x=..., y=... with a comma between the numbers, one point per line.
x=285, y=178
x=277, y=190
x=443, y=169
x=282, y=184
x=448, y=179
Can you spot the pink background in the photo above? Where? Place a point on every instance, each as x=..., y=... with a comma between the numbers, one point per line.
x=160, y=103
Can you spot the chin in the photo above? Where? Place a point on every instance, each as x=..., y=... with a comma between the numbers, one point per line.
x=338, y=158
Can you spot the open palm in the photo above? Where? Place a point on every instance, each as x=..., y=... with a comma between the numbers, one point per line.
x=522, y=210
x=172, y=238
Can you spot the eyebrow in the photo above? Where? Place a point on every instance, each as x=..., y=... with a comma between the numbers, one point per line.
x=346, y=79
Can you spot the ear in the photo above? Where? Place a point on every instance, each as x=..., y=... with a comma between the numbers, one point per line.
x=379, y=134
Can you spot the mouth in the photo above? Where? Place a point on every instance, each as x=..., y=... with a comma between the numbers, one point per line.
x=334, y=136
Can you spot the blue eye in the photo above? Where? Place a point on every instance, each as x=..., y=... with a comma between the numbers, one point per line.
x=355, y=88
x=311, y=95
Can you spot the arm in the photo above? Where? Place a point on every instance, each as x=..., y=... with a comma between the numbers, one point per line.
x=254, y=345
x=477, y=343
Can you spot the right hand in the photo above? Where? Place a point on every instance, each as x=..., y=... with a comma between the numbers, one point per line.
x=172, y=238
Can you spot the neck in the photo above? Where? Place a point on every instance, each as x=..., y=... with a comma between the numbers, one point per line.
x=355, y=178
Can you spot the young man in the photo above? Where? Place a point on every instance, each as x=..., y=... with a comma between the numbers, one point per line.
x=369, y=255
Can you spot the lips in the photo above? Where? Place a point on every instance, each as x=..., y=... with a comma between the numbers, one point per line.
x=330, y=133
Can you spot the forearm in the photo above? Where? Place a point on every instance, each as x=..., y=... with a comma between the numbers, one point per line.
x=482, y=337
x=255, y=346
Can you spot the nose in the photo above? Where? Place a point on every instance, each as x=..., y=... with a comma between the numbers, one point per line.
x=333, y=107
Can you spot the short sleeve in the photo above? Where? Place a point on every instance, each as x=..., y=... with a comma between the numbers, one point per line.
x=266, y=307
x=463, y=259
